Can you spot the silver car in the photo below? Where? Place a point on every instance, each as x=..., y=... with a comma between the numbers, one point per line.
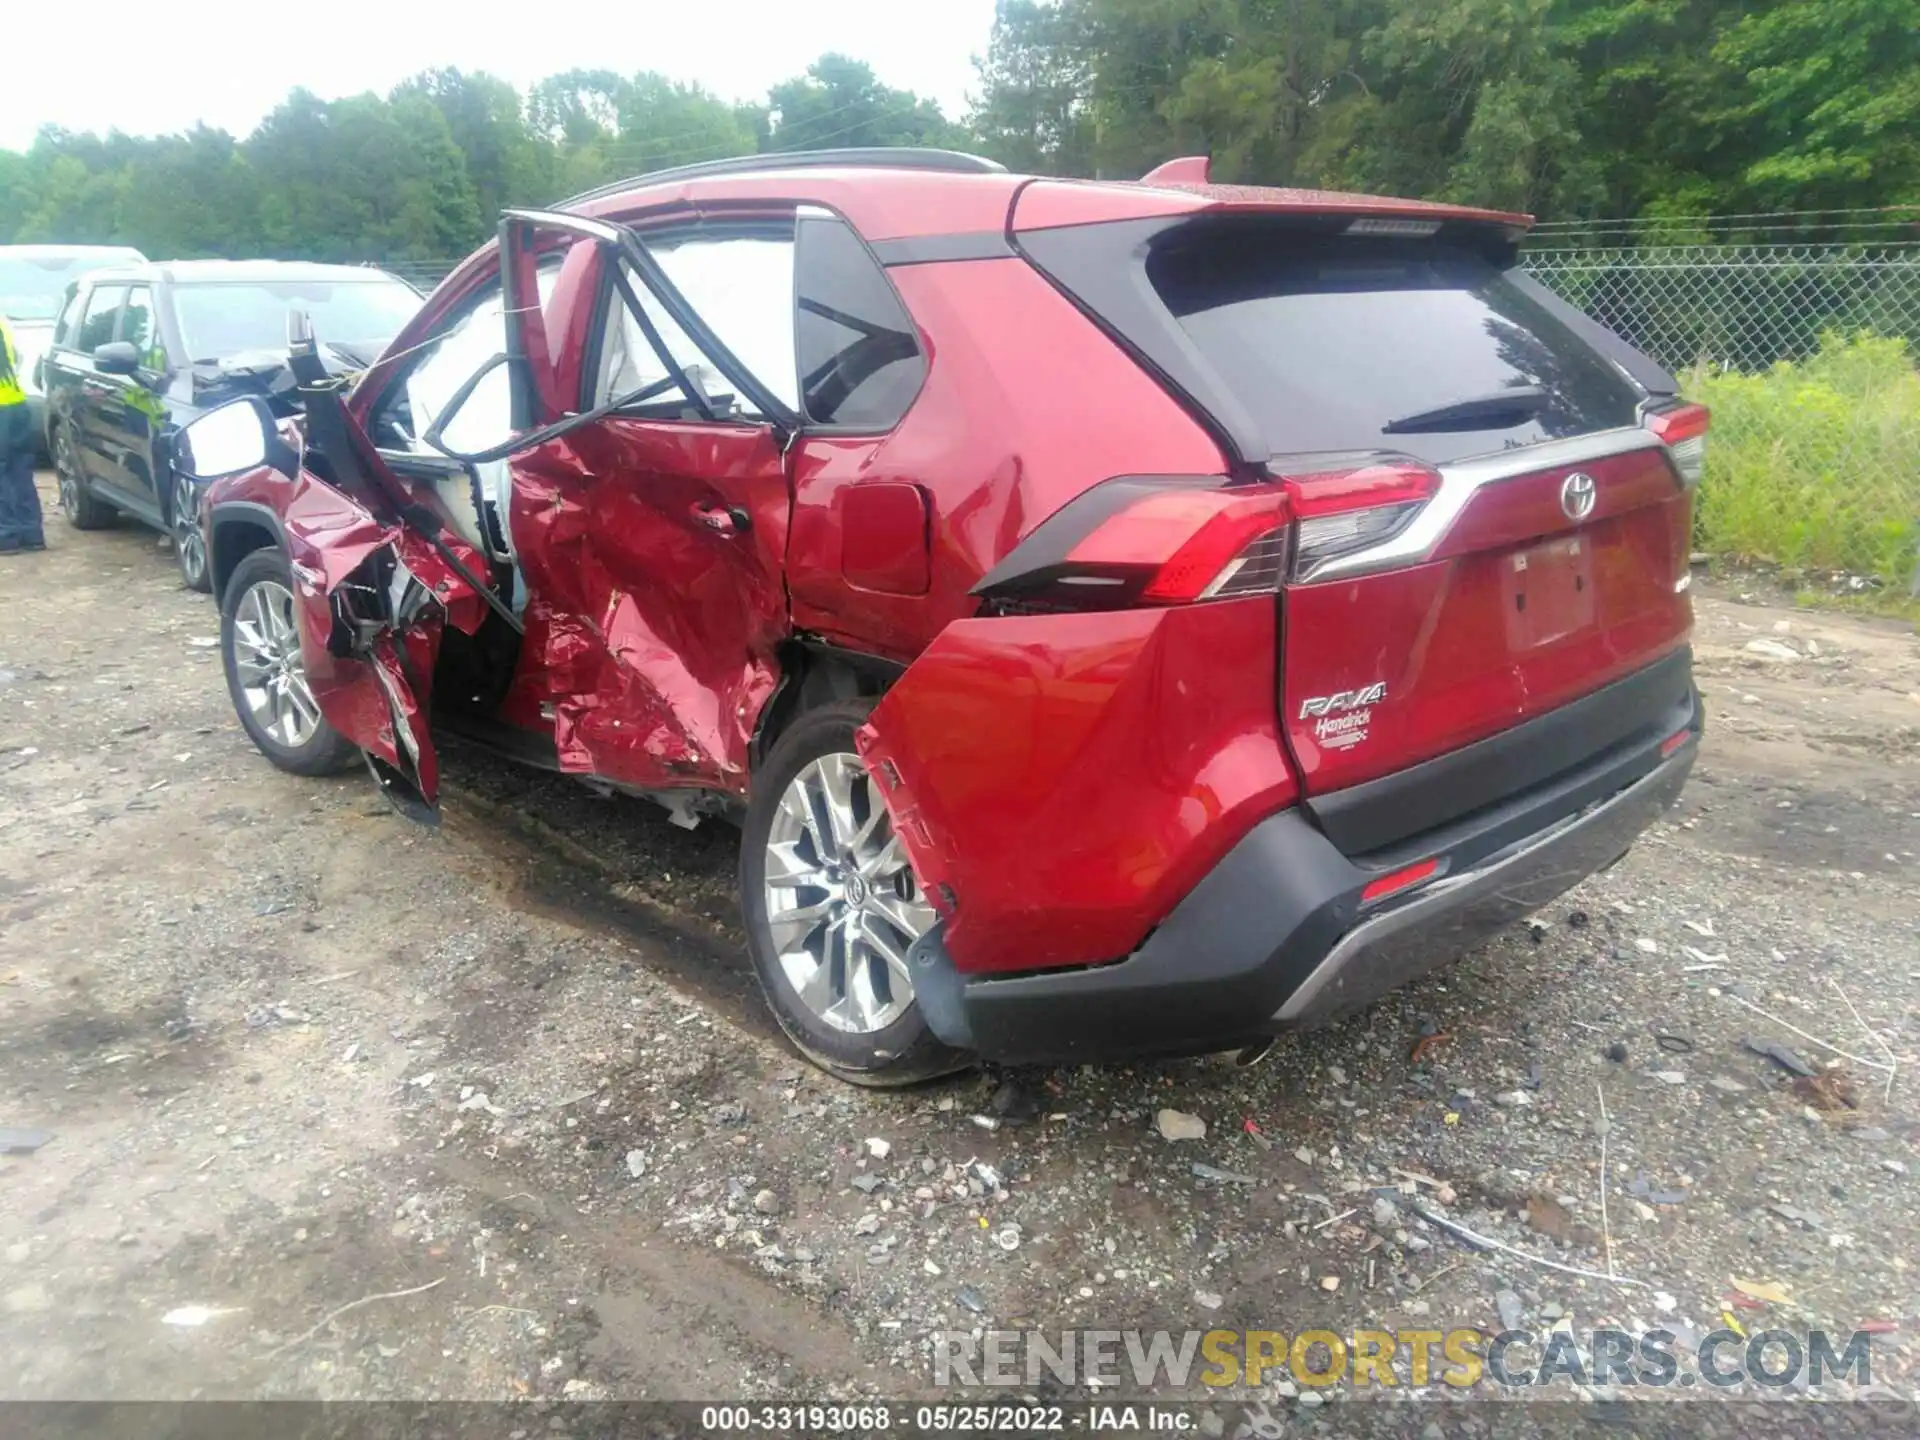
x=35, y=281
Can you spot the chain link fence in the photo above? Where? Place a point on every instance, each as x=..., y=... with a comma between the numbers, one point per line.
x=1806, y=353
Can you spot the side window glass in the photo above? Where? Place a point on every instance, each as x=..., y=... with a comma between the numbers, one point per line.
x=137, y=327
x=860, y=364
x=741, y=286
x=96, y=326
x=418, y=397
x=63, y=328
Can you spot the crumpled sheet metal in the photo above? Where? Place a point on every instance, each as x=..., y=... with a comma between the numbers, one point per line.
x=650, y=659
x=333, y=545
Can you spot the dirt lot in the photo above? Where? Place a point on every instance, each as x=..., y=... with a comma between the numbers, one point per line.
x=295, y=1053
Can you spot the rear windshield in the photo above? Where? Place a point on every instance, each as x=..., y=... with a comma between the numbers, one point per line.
x=1349, y=343
x=218, y=321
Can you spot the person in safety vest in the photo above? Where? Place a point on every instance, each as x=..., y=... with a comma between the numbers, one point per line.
x=20, y=523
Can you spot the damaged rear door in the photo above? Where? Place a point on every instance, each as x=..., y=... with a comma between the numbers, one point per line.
x=650, y=528
x=592, y=465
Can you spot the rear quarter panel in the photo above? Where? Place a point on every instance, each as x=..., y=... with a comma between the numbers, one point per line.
x=1026, y=405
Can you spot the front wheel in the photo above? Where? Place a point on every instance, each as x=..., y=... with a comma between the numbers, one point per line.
x=832, y=907
x=189, y=545
x=260, y=646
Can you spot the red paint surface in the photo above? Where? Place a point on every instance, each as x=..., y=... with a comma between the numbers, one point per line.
x=1460, y=658
x=883, y=537
x=989, y=483
x=1069, y=777
x=332, y=541
x=1048, y=203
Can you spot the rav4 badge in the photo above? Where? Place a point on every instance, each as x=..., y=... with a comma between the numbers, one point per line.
x=1341, y=720
x=1344, y=700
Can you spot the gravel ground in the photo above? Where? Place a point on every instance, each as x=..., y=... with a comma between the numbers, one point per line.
x=295, y=1053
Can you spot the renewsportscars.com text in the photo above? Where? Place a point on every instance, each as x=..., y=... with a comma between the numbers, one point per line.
x=1383, y=1359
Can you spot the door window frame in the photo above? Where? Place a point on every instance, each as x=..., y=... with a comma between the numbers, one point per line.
x=684, y=228
x=86, y=314
x=157, y=330
x=627, y=244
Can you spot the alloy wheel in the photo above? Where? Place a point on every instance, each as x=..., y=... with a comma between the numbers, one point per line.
x=187, y=538
x=67, y=476
x=272, y=677
x=842, y=902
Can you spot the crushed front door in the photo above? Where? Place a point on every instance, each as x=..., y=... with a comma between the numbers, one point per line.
x=375, y=578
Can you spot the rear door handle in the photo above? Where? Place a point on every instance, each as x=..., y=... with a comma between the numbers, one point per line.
x=723, y=519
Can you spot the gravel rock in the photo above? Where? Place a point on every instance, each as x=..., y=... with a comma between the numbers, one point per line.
x=1178, y=1125
x=1512, y=1312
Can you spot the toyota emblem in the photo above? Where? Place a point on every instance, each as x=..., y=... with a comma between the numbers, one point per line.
x=1577, y=494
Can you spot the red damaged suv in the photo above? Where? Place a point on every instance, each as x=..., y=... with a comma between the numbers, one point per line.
x=1122, y=618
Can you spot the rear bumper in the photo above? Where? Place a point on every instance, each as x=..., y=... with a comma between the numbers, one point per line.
x=1277, y=935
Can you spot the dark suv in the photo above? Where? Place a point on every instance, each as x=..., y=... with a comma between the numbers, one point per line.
x=141, y=349
x=1121, y=617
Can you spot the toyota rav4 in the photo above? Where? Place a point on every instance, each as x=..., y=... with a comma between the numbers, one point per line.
x=1121, y=618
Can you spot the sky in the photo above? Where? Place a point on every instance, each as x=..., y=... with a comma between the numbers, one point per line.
x=149, y=71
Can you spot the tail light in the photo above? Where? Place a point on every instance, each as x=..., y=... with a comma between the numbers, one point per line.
x=1683, y=430
x=1175, y=540
x=1191, y=544
x=1348, y=509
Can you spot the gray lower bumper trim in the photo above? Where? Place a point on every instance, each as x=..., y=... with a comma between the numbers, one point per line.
x=1452, y=915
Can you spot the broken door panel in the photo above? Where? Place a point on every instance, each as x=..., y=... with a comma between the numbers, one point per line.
x=652, y=536
x=652, y=552
x=372, y=598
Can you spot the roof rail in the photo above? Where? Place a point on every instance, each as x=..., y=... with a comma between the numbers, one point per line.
x=878, y=157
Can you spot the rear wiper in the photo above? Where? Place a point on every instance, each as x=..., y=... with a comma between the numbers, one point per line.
x=1479, y=412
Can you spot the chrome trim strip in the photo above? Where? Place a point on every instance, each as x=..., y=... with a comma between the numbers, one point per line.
x=1461, y=481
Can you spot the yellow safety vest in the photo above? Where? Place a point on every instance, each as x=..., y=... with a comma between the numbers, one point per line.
x=10, y=391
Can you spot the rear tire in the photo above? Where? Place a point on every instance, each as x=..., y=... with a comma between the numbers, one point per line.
x=834, y=968
x=77, y=502
x=260, y=648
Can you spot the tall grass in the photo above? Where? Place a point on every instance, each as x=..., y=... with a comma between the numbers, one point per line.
x=1815, y=464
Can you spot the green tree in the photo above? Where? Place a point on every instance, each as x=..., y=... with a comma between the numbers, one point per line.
x=1035, y=111
x=194, y=195
x=839, y=102
x=508, y=163
x=1830, y=91
x=664, y=123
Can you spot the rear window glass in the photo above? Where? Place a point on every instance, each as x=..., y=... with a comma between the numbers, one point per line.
x=860, y=365
x=1335, y=343
x=219, y=321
